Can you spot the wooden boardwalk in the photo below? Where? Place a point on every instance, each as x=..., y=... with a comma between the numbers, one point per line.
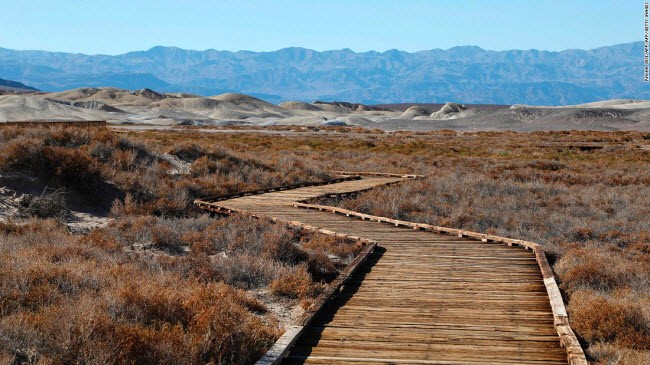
x=420, y=297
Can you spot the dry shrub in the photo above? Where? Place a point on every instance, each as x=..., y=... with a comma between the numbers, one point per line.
x=331, y=245
x=124, y=160
x=246, y=271
x=5, y=357
x=608, y=353
x=47, y=205
x=167, y=239
x=244, y=252
x=108, y=167
x=70, y=167
x=188, y=152
x=547, y=165
x=281, y=244
x=321, y=267
x=101, y=151
x=601, y=269
x=203, y=166
x=126, y=207
x=99, y=239
x=20, y=152
x=198, y=266
x=54, y=156
x=67, y=299
x=610, y=320
x=294, y=282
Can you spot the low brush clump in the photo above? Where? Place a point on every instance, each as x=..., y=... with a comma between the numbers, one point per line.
x=583, y=195
x=243, y=252
x=135, y=177
x=605, y=272
x=48, y=205
x=588, y=206
x=564, y=189
x=153, y=290
x=66, y=299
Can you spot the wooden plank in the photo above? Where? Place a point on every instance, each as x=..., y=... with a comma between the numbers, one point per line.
x=434, y=295
x=281, y=347
x=335, y=287
x=370, y=173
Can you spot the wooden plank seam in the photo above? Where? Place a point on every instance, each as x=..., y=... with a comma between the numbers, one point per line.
x=568, y=339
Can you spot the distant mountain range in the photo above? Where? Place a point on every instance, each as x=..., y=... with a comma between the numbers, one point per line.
x=14, y=87
x=465, y=74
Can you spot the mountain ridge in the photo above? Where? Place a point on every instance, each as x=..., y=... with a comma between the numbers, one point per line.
x=467, y=74
x=11, y=86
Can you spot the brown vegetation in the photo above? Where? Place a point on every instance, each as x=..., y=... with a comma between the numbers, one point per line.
x=50, y=204
x=148, y=289
x=151, y=290
x=588, y=207
x=583, y=195
x=104, y=166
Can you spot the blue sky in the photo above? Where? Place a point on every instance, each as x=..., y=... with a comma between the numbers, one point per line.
x=118, y=26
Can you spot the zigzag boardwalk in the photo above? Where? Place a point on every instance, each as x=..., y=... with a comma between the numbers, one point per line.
x=421, y=297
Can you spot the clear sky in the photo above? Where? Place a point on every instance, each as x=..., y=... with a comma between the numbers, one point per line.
x=118, y=26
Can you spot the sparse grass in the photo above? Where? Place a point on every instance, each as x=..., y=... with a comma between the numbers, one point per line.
x=134, y=176
x=65, y=300
x=293, y=283
x=243, y=252
x=150, y=290
x=50, y=204
x=587, y=206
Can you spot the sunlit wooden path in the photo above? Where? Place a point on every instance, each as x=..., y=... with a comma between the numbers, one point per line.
x=421, y=297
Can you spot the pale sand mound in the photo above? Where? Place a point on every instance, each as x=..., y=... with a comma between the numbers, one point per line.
x=226, y=106
x=236, y=98
x=22, y=107
x=611, y=104
x=199, y=103
x=246, y=102
x=334, y=123
x=346, y=107
x=334, y=108
x=87, y=92
x=299, y=106
x=90, y=104
x=182, y=95
x=353, y=120
x=414, y=111
x=111, y=96
x=641, y=115
x=299, y=120
x=617, y=104
x=250, y=106
x=449, y=110
x=149, y=94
